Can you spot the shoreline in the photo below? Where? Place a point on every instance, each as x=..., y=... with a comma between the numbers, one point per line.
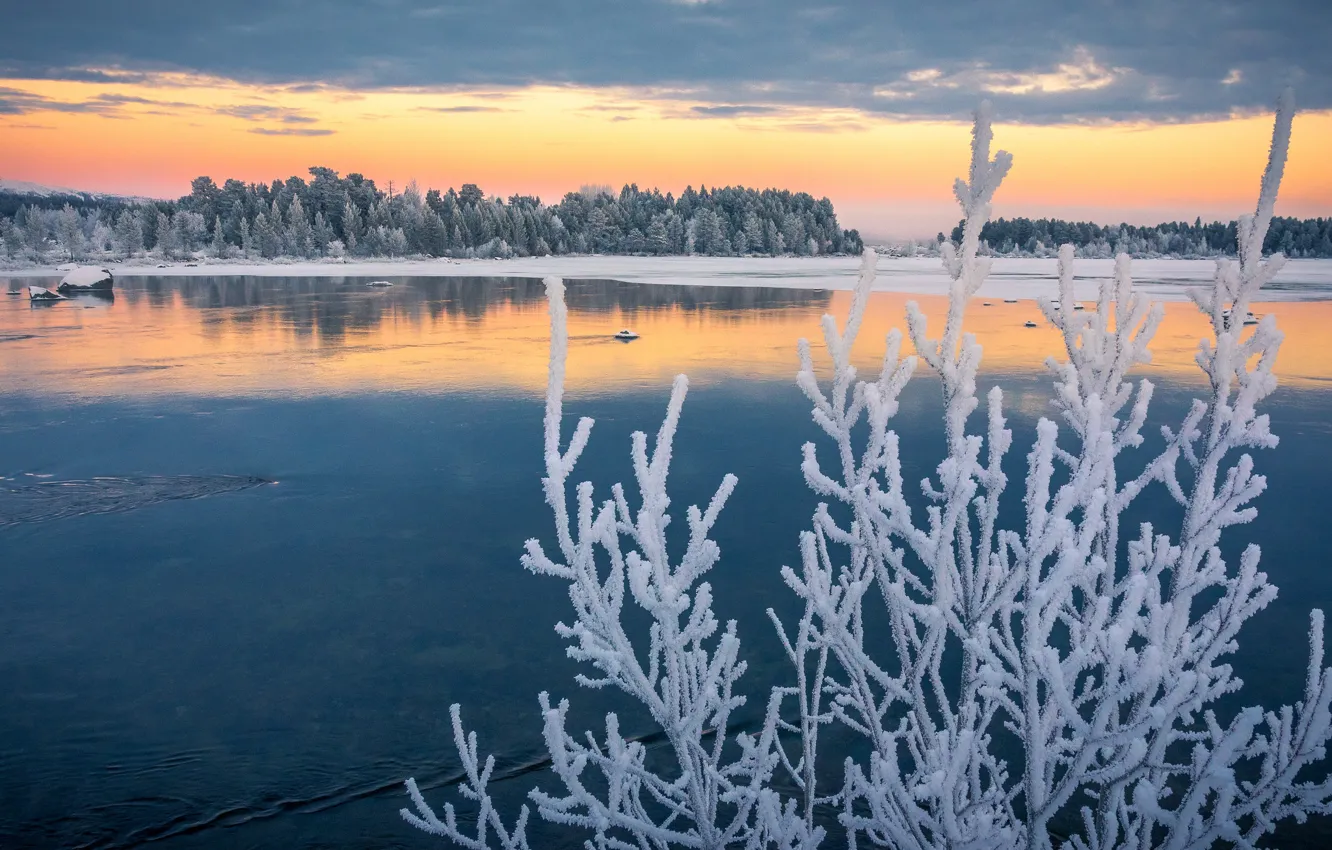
x=1162, y=279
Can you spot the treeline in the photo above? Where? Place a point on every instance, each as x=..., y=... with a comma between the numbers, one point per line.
x=333, y=216
x=1310, y=237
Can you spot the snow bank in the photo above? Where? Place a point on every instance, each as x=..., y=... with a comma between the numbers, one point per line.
x=1162, y=279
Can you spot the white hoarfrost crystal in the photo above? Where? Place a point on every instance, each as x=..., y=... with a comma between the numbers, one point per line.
x=1013, y=683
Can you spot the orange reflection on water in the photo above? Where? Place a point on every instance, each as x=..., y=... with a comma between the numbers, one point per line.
x=243, y=337
x=1305, y=358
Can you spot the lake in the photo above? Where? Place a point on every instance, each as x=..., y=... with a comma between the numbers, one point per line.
x=257, y=533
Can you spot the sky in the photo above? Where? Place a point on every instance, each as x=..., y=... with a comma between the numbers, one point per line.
x=1114, y=111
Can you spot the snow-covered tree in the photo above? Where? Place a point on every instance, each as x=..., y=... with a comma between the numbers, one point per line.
x=33, y=223
x=265, y=236
x=102, y=237
x=321, y=233
x=162, y=234
x=352, y=227
x=218, y=247
x=1062, y=668
x=297, y=235
x=12, y=237
x=129, y=233
x=69, y=232
x=658, y=240
x=188, y=231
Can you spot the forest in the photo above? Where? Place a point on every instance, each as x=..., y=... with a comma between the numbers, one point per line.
x=334, y=216
x=1294, y=237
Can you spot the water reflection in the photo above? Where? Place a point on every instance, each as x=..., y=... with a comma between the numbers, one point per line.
x=265, y=336
x=262, y=668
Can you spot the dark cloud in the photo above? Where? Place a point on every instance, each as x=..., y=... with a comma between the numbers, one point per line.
x=1040, y=61
x=113, y=101
x=291, y=131
x=464, y=108
x=728, y=111
x=111, y=105
x=36, y=71
x=264, y=112
x=17, y=102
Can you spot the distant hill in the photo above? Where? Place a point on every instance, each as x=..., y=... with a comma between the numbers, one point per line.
x=20, y=193
x=23, y=187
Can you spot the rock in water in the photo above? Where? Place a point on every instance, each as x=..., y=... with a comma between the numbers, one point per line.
x=41, y=293
x=86, y=279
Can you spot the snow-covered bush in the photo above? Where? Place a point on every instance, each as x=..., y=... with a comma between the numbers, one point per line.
x=1057, y=674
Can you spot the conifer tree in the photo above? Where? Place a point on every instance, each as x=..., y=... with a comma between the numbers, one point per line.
x=219, y=246
x=322, y=232
x=128, y=233
x=162, y=235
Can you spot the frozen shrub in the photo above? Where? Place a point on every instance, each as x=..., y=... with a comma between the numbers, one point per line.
x=1063, y=667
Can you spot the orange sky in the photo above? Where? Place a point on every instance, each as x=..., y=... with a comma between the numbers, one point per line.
x=885, y=176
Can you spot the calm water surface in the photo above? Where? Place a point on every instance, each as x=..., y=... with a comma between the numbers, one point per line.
x=195, y=657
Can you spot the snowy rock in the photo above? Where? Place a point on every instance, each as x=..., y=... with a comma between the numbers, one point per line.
x=86, y=278
x=41, y=293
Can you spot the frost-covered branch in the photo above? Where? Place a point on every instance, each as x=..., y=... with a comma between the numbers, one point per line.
x=1033, y=672
x=474, y=788
x=682, y=671
x=931, y=781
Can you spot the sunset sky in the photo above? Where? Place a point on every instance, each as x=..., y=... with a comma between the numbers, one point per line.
x=1113, y=111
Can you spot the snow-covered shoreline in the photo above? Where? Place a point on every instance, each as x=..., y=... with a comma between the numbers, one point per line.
x=1166, y=279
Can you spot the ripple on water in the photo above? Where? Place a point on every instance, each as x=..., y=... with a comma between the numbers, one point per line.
x=38, y=501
